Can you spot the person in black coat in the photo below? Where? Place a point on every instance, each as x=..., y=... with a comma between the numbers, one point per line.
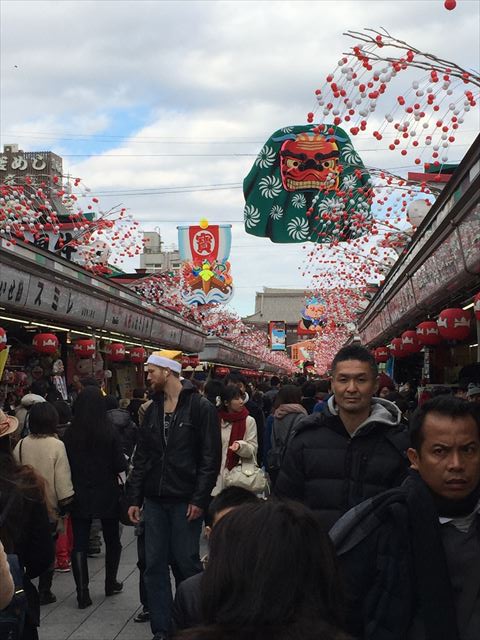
x=354, y=450
x=139, y=397
x=26, y=527
x=123, y=423
x=410, y=557
x=175, y=467
x=96, y=458
x=187, y=610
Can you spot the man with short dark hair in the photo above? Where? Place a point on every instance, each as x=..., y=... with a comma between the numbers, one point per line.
x=186, y=611
x=175, y=467
x=351, y=451
x=411, y=556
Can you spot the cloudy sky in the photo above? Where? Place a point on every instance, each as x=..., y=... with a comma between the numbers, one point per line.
x=147, y=96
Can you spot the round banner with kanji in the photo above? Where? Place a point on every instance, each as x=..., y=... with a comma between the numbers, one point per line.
x=307, y=183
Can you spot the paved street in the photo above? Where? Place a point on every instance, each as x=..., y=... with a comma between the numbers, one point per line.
x=108, y=618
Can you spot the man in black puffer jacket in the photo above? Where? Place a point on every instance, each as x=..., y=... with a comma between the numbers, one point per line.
x=175, y=467
x=354, y=450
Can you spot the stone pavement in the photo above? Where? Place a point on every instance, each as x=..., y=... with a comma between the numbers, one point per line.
x=108, y=618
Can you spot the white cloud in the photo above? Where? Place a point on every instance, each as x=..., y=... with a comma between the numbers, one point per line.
x=181, y=83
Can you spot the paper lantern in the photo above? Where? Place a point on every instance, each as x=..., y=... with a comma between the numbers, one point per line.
x=222, y=371
x=396, y=348
x=410, y=342
x=381, y=354
x=454, y=324
x=115, y=351
x=3, y=339
x=476, y=306
x=84, y=348
x=45, y=343
x=428, y=333
x=138, y=355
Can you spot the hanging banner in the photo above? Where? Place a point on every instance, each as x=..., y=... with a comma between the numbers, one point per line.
x=307, y=183
x=277, y=335
x=314, y=316
x=204, y=249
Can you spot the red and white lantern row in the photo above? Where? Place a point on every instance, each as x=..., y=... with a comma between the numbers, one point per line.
x=396, y=348
x=454, y=324
x=410, y=342
x=3, y=339
x=476, y=306
x=222, y=371
x=84, y=348
x=138, y=355
x=190, y=361
x=46, y=343
x=115, y=351
x=381, y=354
x=428, y=333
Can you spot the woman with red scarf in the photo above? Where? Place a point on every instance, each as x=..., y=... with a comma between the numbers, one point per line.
x=239, y=433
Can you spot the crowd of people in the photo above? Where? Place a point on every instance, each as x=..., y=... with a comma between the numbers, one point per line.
x=334, y=509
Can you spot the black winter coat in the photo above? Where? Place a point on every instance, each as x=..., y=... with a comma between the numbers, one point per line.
x=187, y=606
x=95, y=477
x=394, y=567
x=186, y=468
x=330, y=471
x=126, y=429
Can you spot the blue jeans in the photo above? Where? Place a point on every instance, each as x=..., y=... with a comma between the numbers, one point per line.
x=169, y=538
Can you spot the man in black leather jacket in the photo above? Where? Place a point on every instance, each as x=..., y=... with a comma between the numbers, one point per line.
x=175, y=468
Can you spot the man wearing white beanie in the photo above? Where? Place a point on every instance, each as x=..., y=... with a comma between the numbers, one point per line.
x=175, y=468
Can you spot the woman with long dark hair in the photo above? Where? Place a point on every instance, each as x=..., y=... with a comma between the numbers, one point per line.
x=96, y=458
x=287, y=410
x=25, y=526
x=271, y=575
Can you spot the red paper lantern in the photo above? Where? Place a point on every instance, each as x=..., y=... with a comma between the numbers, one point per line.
x=410, y=342
x=381, y=354
x=396, y=348
x=428, y=333
x=84, y=348
x=115, y=351
x=3, y=339
x=454, y=324
x=476, y=306
x=45, y=343
x=450, y=4
x=137, y=355
x=222, y=371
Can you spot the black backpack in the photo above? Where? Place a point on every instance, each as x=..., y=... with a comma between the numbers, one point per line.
x=12, y=618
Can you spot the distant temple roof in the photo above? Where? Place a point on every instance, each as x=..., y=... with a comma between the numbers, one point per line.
x=278, y=304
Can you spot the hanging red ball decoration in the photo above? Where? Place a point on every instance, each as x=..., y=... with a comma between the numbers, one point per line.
x=137, y=355
x=428, y=333
x=450, y=5
x=396, y=348
x=410, y=342
x=454, y=324
x=3, y=339
x=476, y=306
x=84, y=348
x=45, y=343
x=115, y=351
x=381, y=354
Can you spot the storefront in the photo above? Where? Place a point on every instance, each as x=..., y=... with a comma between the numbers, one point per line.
x=87, y=325
x=222, y=356
x=440, y=272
